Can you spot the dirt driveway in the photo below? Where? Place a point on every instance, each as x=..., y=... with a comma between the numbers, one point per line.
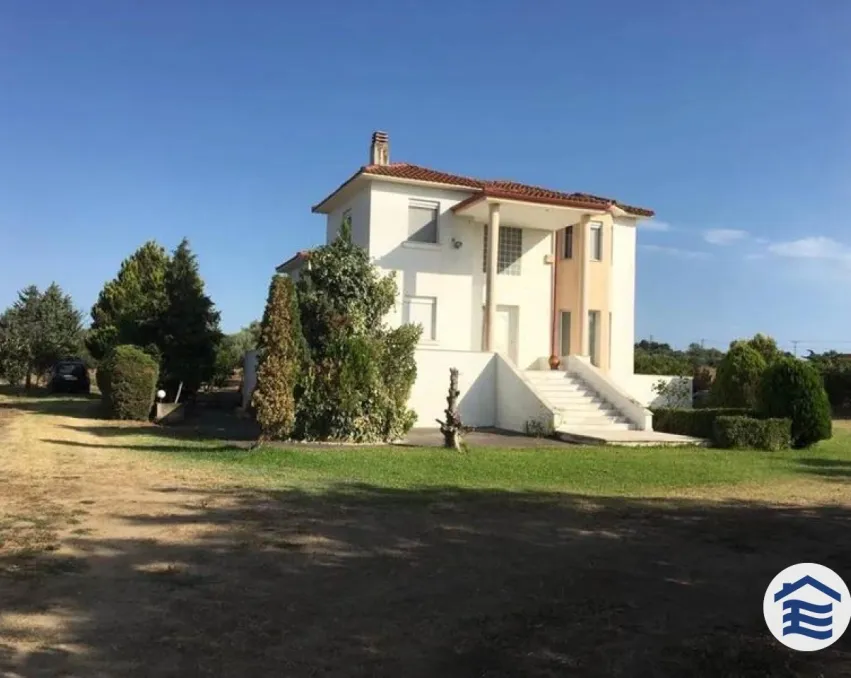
x=113, y=564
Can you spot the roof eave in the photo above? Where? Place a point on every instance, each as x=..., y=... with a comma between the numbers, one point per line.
x=293, y=262
x=490, y=194
x=324, y=206
x=633, y=212
x=421, y=182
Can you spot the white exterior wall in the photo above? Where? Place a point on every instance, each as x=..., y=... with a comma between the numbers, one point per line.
x=476, y=382
x=517, y=401
x=455, y=277
x=359, y=206
x=622, y=301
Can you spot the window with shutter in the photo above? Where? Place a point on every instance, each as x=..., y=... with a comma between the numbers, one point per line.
x=422, y=222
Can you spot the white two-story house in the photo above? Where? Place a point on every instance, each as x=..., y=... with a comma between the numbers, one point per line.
x=541, y=327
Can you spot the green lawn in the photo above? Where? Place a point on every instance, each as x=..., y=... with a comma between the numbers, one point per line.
x=587, y=470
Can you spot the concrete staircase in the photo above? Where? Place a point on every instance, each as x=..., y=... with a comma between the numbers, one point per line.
x=579, y=410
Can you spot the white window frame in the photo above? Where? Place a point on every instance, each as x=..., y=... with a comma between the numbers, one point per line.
x=561, y=336
x=515, y=268
x=429, y=205
x=595, y=229
x=423, y=300
x=594, y=345
x=567, y=236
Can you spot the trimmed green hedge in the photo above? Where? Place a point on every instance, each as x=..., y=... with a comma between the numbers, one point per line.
x=132, y=378
x=699, y=423
x=793, y=389
x=738, y=432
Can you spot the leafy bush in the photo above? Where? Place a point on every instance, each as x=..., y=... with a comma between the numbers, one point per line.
x=104, y=372
x=836, y=376
x=749, y=433
x=793, y=389
x=360, y=390
x=738, y=377
x=695, y=423
x=360, y=374
x=764, y=345
x=646, y=362
x=703, y=378
x=282, y=359
x=132, y=381
x=398, y=374
x=701, y=400
x=675, y=393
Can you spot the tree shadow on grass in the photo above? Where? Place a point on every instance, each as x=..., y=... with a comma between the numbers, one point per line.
x=367, y=581
x=828, y=469
x=77, y=406
x=169, y=449
x=212, y=425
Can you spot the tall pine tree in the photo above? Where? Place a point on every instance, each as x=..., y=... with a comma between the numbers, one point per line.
x=39, y=329
x=130, y=307
x=189, y=327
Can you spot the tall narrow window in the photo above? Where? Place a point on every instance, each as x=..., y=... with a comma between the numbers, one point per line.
x=347, y=218
x=510, y=250
x=422, y=222
x=564, y=334
x=594, y=337
x=567, y=245
x=422, y=311
x=596, y=241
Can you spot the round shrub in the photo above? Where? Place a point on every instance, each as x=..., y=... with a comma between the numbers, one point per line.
x=793, y=389
x=131, y=376
x=737, y=380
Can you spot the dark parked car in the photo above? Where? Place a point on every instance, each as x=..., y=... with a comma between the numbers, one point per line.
x=70, y=376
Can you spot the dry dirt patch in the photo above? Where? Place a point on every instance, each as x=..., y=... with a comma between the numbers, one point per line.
x=174, y=575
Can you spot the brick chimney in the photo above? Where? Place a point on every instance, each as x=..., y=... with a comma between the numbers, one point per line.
x=379, y=150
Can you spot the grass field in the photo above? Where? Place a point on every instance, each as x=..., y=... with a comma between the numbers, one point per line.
x=125, y=552
x=587, y=470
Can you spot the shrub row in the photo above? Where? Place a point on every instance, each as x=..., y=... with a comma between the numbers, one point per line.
x=726, y=427
x=698, y=423
x=738, y=432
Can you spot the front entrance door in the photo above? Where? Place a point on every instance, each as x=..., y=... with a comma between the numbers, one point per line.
x=505, y=329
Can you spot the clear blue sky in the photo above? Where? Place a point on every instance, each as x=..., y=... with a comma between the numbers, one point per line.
x=224, y=121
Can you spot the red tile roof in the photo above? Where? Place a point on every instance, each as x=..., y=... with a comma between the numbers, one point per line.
x=298, y=256
x=492, y=188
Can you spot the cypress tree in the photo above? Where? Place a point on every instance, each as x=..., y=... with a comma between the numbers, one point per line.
x=282, y=357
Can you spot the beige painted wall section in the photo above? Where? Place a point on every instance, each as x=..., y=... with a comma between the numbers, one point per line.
x=569, y=284
x=568, y=297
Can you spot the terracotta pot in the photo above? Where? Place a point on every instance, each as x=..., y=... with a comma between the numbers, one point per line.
x=555, y=361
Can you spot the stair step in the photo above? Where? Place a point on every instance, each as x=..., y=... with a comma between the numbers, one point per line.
x=577, y=406
x=587, y=411
x=564, y=388
x=590, y=429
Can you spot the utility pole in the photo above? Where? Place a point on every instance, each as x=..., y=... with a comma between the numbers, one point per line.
x=795, y=343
